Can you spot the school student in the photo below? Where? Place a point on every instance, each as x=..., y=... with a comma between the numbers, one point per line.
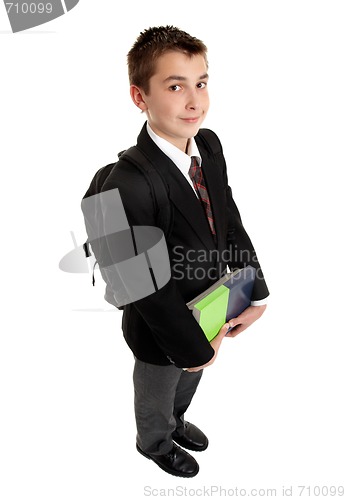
x=168, y=74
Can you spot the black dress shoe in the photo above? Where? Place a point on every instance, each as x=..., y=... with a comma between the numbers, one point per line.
x=192, y=439
x=177, y=462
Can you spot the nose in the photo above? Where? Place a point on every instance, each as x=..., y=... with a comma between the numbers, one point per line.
x=193, y=101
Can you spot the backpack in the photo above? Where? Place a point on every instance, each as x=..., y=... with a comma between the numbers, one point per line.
x=159, y=190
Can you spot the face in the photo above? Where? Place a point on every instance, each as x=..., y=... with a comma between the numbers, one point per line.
x=178, y=99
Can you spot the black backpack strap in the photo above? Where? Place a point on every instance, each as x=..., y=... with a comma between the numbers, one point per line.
x=158, y=185
x=210, y=141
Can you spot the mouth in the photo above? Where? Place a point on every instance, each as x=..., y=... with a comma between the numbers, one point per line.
x=191, y=120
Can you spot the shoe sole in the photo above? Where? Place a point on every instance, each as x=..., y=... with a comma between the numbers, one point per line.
x=165, y=469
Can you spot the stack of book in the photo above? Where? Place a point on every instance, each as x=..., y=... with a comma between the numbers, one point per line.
x=224, y=300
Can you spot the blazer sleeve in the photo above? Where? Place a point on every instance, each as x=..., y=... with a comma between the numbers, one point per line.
x=241, y=249
x=175, y=330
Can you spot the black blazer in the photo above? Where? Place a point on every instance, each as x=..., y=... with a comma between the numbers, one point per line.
x=160, y=329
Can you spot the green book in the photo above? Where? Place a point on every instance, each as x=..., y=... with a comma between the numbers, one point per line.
x=224, y=300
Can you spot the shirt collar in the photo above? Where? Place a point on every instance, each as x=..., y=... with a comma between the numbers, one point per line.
x=181, y=159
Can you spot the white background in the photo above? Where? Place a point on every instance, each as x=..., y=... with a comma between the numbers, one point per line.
x=273, y=405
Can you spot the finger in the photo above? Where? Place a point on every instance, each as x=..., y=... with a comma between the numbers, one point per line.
x=234, y=322
x=230, y=325
x=236, y=330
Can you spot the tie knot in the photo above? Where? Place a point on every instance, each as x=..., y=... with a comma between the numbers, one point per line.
x=194, y=161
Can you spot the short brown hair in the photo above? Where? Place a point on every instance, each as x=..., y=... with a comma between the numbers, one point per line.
x=153, y=43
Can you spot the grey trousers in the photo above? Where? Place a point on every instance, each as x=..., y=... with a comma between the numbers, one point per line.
x=162, y=394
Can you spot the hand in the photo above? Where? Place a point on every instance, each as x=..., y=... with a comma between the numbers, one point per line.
x=215, y=344
x=245, y=319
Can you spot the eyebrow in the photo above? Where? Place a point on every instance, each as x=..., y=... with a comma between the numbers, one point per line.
x=183, y=78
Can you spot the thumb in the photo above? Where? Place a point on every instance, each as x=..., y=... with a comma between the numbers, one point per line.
x=222, y=332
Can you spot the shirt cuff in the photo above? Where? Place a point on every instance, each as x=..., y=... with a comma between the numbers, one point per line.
x=261, y=302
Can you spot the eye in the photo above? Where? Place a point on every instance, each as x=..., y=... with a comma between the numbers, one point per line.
x=201, y=85
x=175, y=88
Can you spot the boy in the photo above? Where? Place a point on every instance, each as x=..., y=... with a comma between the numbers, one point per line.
x=168, y=75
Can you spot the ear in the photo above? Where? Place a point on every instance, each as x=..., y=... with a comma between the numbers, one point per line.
x=138, y=97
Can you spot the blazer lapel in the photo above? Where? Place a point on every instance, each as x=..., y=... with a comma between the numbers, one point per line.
x=190, y=207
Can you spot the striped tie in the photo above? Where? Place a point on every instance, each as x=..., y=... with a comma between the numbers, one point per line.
x=196, y=175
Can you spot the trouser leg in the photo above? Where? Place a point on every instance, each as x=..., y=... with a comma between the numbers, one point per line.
x=185, y=391
x=162, y=394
